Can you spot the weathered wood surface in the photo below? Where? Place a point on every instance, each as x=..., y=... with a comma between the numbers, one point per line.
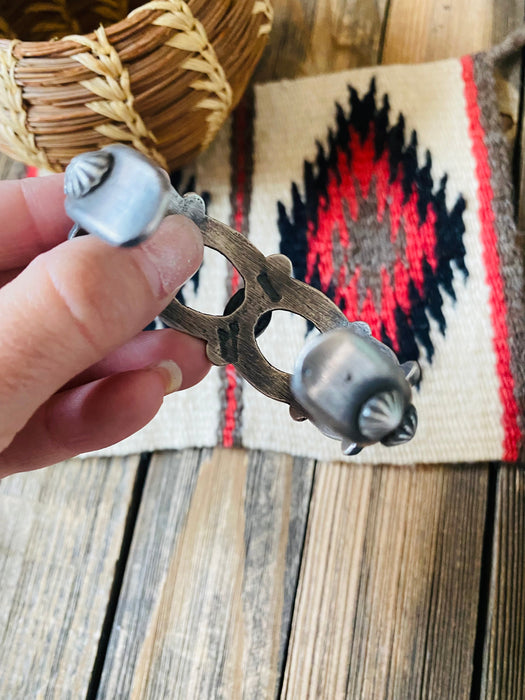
x=504, y=657
x=321, y=36
x=208, y=593
x=429, y=30
x=61, y=532
x=387, y=603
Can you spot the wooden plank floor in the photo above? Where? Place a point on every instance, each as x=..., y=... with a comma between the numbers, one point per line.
x=227, y=573
x=61, y=534
x=207, y=604
x=389, y=583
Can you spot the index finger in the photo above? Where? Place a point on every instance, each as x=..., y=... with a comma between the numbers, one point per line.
x=32, y=218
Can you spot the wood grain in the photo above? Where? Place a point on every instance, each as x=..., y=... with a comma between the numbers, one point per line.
x=321, y=36
x=388, y=593
x=209, y=588
x=504, y=658
x=429, y=30
x=60, y=535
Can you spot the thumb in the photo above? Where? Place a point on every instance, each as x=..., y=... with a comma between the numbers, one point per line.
x=79, y=301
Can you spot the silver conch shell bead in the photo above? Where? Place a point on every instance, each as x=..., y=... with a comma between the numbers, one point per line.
x=405, y=431
x=381, y=415
x=85, y=172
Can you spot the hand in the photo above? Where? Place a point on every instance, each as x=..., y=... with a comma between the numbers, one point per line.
x=76, y=372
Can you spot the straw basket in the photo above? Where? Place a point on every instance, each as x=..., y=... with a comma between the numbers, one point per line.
x=161, y=76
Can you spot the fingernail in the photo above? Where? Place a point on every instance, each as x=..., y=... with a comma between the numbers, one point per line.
x=171, y=256
x=171, y=374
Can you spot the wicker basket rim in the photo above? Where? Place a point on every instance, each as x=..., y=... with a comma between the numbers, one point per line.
x=81, y=91
x=138, y=16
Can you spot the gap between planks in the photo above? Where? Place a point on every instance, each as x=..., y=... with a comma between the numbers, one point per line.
x=60, y=538
x=210, y=584
x=388, y=592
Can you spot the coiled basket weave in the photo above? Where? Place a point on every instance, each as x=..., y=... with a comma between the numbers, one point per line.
x=161, y=76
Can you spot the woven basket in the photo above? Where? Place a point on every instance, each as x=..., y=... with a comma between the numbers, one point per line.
x=163, y=79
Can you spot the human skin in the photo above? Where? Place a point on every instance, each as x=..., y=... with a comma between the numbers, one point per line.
x=76, y=371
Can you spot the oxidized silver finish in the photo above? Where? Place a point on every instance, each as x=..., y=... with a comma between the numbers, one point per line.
x=381, y=414
x=85, y=172
x=353, y=388
x=121, y=196
x=346, y=382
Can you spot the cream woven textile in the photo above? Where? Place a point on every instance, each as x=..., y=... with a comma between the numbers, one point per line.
x=388, y=187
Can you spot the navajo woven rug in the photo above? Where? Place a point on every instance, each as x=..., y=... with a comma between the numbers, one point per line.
x=388, y=187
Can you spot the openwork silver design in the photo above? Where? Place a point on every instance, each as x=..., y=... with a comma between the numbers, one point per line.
x=347, y=383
